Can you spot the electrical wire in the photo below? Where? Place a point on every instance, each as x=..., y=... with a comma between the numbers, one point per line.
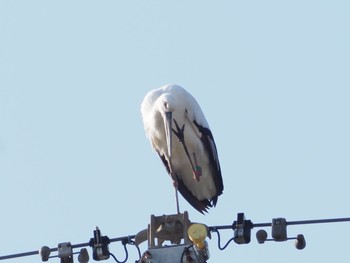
x=219, y=240
x=137, y=247
x=184, y=252
x=126, y=255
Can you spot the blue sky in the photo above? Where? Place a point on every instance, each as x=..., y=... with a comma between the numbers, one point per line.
x=272, y=78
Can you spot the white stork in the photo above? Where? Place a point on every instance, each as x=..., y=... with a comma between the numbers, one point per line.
x=180, y=134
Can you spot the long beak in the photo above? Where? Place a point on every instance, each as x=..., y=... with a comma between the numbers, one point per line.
x=168, y=131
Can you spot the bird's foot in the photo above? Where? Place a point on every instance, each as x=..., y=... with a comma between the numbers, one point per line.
x=197, y=173
x=179, y=132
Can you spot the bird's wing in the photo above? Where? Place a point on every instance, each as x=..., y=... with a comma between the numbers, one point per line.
x=196, y=117
x=209, y=144
x=200, y=206
x=200, y=124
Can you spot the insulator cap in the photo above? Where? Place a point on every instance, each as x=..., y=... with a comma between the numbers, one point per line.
x=44, y=253
x=261, y=236
x=300, y=242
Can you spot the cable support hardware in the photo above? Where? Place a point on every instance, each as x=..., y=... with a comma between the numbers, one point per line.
x=241, y=235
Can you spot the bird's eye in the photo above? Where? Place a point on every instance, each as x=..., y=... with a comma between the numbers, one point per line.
x=165, y=104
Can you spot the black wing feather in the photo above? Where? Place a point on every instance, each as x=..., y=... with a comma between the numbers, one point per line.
x=209, y=143
x=200, y=206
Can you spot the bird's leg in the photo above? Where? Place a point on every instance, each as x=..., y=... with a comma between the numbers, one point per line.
x=176, y=197
x=175, y=184
x=197, y=171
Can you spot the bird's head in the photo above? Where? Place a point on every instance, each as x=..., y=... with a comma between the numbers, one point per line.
x=166, y=102
x=166, y=106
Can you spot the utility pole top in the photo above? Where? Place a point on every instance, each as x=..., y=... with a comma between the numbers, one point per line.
x=174, y=229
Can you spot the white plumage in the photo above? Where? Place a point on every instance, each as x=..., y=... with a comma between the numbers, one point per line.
x=180, y=134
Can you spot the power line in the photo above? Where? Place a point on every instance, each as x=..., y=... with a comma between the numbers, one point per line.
x=81, y=245
x=300, y=222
